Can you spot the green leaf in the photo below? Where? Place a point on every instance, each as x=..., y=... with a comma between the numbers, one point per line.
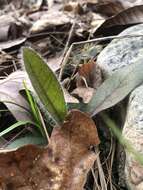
x=14, y=126
x=45, y=84
x=27, y=140
x=34, y=109
x=117, y=87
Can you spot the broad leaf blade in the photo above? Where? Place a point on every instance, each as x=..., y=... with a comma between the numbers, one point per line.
x=38, y=140
x=45, y=84
x=116, y=87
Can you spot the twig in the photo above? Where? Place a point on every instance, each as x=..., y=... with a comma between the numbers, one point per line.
x=101, y=173
x=95, y=179
x=44, y=126
x=106, y=38
x=66, y=49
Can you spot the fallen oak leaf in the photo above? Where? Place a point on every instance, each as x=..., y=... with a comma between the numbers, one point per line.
x=62, y=165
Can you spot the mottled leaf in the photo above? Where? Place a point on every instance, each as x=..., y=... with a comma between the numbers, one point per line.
x=117, y=86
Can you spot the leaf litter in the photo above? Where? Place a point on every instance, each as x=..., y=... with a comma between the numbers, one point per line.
x=62, y=165
x=54, y=37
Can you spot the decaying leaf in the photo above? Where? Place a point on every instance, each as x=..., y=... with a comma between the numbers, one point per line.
x=91, y=73
x=11, y=43
x=49, y=20
x=63, y=165
x=125, y=4
x=107, y=8
x=117, y=86
x=88, y=79
x=73, y=6
x=10, y=96
x=132, y=15
x=8, y=29
x=130, y=3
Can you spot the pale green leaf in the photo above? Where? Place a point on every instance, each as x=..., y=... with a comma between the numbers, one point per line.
x=45, y=84
x=116, y=87
x=27, y=140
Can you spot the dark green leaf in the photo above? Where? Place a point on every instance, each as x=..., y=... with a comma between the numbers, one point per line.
x=45, y=84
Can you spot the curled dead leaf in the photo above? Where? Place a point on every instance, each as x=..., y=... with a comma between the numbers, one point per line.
x=63, y=165
x=91, y=73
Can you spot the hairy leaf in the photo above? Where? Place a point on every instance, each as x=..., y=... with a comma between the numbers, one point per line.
x=45, y=84
x=117, y=86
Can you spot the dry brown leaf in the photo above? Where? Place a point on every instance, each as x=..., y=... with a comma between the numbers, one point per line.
x=124, y=3
x=73, y=7
x=106, y=8
x=89, y=73
x=26, y=4
x=85, y=93
x=52, y=18
x=63, y=165
x=130, y=3
x=133, y=15
x=88, y=79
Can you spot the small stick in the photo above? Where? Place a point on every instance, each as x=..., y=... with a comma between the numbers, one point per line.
x=66, y=49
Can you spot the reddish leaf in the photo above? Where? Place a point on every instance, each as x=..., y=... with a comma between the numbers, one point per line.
x=91, y=73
